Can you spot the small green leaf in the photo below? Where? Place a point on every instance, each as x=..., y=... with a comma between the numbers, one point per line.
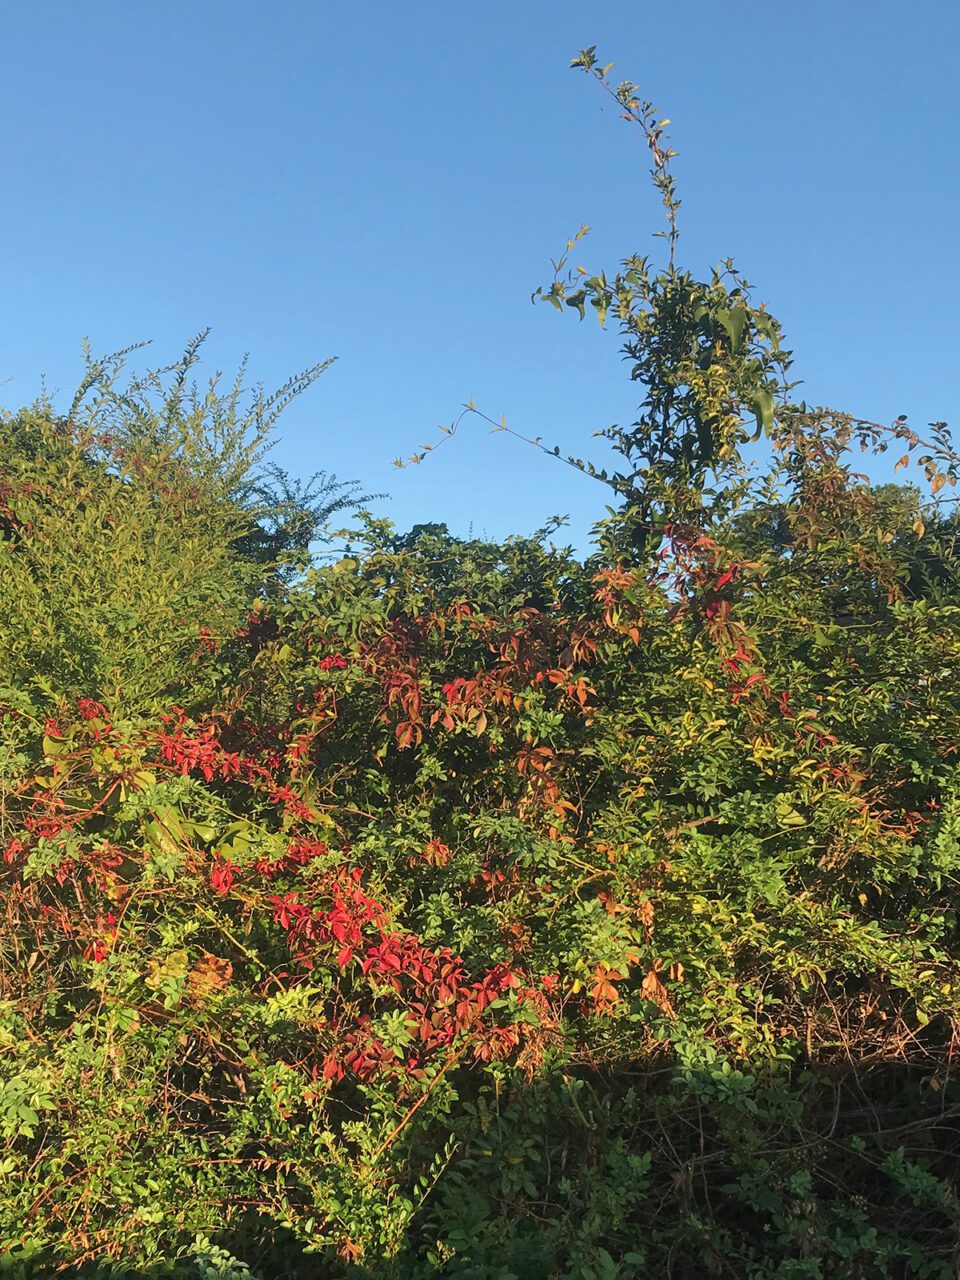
x=763, y=408
x=734, y=324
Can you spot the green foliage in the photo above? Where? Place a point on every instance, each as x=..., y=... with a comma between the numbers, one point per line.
x=472, y=909
x=141, y=527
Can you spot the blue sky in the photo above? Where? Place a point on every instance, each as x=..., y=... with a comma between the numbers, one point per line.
x=386, y=183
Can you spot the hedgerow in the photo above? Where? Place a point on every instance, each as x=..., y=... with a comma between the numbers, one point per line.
x=447, y=907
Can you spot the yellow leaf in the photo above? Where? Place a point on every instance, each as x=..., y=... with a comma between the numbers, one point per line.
x=160, y=971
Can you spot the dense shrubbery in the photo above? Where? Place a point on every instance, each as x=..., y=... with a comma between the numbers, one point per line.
x=476, y=910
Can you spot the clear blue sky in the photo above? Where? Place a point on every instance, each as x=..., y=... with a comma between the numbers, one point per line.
x=385, y=183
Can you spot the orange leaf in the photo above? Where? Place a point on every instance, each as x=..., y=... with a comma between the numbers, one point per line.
x=209, y=975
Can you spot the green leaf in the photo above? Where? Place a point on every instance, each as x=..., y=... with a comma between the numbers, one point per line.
x=763, y=408
x=734, y=323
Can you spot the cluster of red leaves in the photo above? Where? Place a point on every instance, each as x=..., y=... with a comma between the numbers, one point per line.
x=197, y=749
x=329, y=919
x=441, y=1004
x=332, y=662
x=299, y=854
x=531, y=649
x=190, y=748
x=106, y=927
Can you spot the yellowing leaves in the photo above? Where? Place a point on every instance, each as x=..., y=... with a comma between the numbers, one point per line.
x=172, y=967
x=787, y=816
x=206, y=978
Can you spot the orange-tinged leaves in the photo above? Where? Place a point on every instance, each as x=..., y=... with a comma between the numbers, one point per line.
x=208, y=976
x=408, y=734
x=645, y=914
x=653, y=989
x=602, y=990
x=436, y=853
